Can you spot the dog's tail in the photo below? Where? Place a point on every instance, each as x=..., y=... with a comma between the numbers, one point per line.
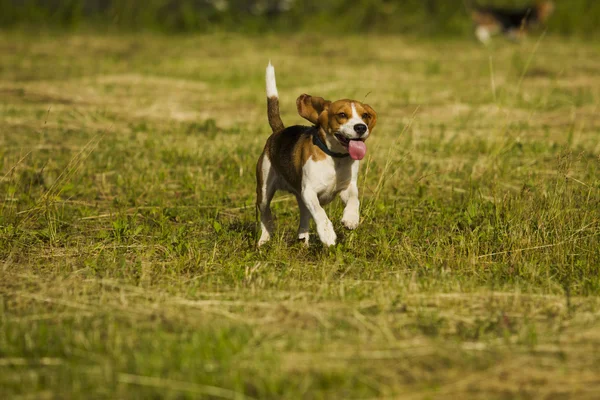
x=273, y=101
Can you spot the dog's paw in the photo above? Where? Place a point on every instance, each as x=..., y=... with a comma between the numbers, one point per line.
x=351, y=221
x=264, y=238
x=303, y=237
x=327, y=234
x=329, y=240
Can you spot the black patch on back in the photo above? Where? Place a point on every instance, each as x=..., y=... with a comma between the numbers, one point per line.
x=284, y=143
x=513, y=18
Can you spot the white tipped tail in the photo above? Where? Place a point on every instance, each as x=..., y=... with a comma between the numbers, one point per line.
x=271, y=84
x=273, y=101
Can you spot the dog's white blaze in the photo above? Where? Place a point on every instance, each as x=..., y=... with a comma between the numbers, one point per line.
x=271, y=84
x=348, y=128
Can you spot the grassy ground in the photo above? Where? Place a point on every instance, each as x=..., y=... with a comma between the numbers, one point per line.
x=128, y=265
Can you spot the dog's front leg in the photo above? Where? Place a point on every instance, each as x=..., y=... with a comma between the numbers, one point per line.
x=349, y=196
x=324, y=225
x=351, y=216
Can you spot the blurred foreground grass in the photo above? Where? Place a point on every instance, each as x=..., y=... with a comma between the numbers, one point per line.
x=127, y=258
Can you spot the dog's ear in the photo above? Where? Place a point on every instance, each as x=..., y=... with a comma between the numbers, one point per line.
x=373, y=119
x=310, y=107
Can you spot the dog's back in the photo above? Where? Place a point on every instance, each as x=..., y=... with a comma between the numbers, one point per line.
x=512, y=19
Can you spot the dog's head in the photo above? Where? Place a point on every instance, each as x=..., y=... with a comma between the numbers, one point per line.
x=347, y=123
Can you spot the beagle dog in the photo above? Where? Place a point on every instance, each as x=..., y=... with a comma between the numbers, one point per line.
x=315, y=163
x=514, y=23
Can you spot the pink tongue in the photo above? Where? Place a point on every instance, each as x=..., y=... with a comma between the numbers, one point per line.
x=357, y=149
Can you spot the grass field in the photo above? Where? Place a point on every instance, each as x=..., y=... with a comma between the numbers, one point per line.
x=128, y=266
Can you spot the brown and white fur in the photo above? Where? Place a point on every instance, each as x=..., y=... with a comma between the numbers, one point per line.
x=512, y=22
x=291, y=161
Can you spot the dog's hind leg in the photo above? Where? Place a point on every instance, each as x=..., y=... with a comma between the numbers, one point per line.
x=266, y=180
x=304, y=221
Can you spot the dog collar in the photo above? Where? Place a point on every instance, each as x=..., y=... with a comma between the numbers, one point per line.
x=319, y=143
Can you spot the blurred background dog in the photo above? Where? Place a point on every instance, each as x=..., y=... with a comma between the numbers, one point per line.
x=514, y=23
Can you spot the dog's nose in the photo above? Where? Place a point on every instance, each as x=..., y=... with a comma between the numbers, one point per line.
x=360, y=129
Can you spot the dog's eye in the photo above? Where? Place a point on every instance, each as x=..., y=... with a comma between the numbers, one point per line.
x=366, y=116
x=342, y=115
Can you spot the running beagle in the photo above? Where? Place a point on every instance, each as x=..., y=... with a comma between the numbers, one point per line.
x=514, y=23
x=315, y=163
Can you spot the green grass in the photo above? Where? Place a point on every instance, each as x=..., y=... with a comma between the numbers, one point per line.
x=128, y=266
x=423, y=17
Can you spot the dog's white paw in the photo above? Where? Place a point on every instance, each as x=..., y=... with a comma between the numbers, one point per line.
x=264, y=238
x=303, y=237
x=350, y=220
x=327, y=234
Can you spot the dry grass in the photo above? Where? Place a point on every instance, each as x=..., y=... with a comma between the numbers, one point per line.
x=127, y=258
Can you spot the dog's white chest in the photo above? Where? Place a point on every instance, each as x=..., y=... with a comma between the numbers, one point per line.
x=328, y=177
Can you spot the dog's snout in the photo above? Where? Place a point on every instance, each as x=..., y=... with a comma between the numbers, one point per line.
x=360, y=129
